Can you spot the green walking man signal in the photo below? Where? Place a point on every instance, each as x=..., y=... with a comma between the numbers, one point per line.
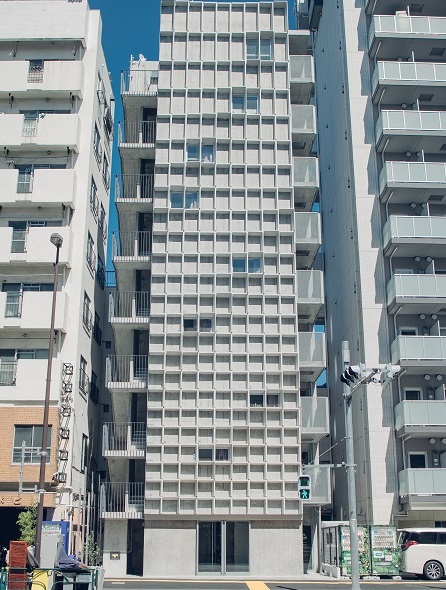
x=304, y=487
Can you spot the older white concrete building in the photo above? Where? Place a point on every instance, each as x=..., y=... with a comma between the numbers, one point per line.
x=213, y=380
x=56, y=120
x=380, y=80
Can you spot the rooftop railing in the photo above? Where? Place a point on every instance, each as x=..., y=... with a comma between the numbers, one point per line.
x=139, y=82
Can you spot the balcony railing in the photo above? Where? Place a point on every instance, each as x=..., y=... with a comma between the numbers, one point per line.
x=409, y=72
x=310, y=286
x=122, y=500
x=320, y=484
x=8, y=372
x=131, y=245
x=137, y=132
x=25, y=182
x=135, y=187
x=421, y=414
x=129, y=307
x=123, y=371
x=312, y=349
x=84, y=382
x=139, y=82
x=314, y=417
x=423, y=482
x=126, y=439
x=415, y=173
x=301, y=68
x=303, y=118
x=415, y=121
x=307, y=228
x=402, y=25
x=306, y=172
x=418, y=228
x=419, y=348
x=87, y=318
x=416, y=287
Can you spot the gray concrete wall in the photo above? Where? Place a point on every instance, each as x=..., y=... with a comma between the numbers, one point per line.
x=170, y=548
x=275, y=549
x=115, y=541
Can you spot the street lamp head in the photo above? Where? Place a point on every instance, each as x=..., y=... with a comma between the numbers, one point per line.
x=57, y=240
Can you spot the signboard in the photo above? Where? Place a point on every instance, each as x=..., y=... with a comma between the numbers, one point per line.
x=57, y=527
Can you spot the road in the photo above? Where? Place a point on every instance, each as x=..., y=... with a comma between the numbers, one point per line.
x=329, y=584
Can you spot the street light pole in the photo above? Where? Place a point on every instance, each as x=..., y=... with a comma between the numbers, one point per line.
x=57, y=240
x=350, y=467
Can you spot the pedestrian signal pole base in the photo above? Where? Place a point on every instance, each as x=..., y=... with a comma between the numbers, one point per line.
x=350, y=468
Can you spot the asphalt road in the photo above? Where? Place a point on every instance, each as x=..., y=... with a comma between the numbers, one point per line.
x=140, y=584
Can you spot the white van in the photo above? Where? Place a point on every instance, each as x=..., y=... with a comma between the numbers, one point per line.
x=423, y=552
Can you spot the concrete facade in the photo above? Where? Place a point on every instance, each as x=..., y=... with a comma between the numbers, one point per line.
x=378, y=81
x=54, y=178
x=217, y=300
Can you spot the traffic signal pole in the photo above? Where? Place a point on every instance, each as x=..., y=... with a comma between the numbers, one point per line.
x=350, y=467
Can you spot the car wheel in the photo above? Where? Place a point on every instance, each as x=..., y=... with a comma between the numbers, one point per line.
x=433, y=570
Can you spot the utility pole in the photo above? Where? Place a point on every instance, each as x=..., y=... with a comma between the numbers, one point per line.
x=350, y=467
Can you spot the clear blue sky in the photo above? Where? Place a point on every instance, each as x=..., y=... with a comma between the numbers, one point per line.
x=130, y=27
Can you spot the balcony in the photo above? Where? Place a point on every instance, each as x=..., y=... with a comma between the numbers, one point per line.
x=31, y=310
x=40, y=187
x=301, y=78
x=139, y=87
x=412, y=181
x=134, y=192
x=399, y=34
x=320, y=484
x=311, y=355
x=122, y=500
x=127, y=440
x=307, y=227
x=310, y=294
x=416, y=294
x=306, y=182
x=303, y=119
x=423, y=488
x=49, y=132
x=415, y=236
x=402, y=131
x=132, y=250
x=402, y=80
x=130, y=310
x=136, y=139
x=55, y=79
x=23, y=380
x=420, y=419
x=126, y=372
x=33, y=246
x=421, y=354
x=315, y=422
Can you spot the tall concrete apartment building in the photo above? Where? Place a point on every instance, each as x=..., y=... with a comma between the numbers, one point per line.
x=380, y=85
x=212, y=385
x=56, y=120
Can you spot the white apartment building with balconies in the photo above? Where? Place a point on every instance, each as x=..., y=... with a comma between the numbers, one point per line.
x=381, y=99
x=56, y=121
x=216, y=303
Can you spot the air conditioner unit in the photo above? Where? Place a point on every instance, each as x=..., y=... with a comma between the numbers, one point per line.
x=67, y=387
x=64, y=433
x=59, y=477
x=65, y=411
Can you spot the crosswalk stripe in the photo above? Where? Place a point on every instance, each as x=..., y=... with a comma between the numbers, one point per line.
x=256, y=586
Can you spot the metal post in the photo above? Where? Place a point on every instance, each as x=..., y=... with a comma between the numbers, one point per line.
x=57, y=241
x=22, y=469
x=351, y=484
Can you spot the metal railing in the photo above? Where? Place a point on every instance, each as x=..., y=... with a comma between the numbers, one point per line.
x=35, y=71
x=409, y=71
x=122, y=498
x=8, y=372
x=416, y=121
x=412, y=173
x=425, y=227
x=30, y=127
x=414, y=286
x=25, y=182
x=130, y=306
x=128, y=437
x=18, y=242
x=127, y=369
x=14, y=303
x=139, y=82
x=91, y=260
x=134, y=244
x=137, y=132
x=135, y=187
x=87, y=317
x=418, y=348
x=404, y=24
x=84, y=382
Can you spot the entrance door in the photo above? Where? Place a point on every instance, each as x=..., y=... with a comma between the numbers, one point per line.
x=307, y=546
x=223, y=547
x=209, y=547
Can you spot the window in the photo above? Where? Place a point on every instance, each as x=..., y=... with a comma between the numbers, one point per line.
x=417, y=460
x=412, y=394
x=84, y=453
x=256, y=400
x=252, y=103
x=207, y=153
x=222, y=454
x=97, y=148
x=91, y=258
x=408, y=331
x=100, y=273
x=238, y=265
x=106, y=173
x=84, y=381
x=190, y=324
x=94, y=389
x=35, y=72
x=252, y=49
x=191, y=200
x=238, y=103
x=94, y=201
x=176, y=200
x=254, y=264
x=192, y=152
x=103, y=223
x=86, y=314
x=206, y=324
x=32, y=437
x=272, y=400
x=205, y=454
x=265, y=49
x=97, y=332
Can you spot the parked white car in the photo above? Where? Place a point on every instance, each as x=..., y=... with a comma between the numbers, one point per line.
x=423, y=552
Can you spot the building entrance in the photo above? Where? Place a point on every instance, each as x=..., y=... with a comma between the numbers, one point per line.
x=223, y=547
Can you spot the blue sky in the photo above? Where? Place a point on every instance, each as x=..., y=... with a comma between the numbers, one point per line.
x=129, y=27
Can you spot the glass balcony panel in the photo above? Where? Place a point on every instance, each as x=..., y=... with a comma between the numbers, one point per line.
x=422, y=481
x=420, y=413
